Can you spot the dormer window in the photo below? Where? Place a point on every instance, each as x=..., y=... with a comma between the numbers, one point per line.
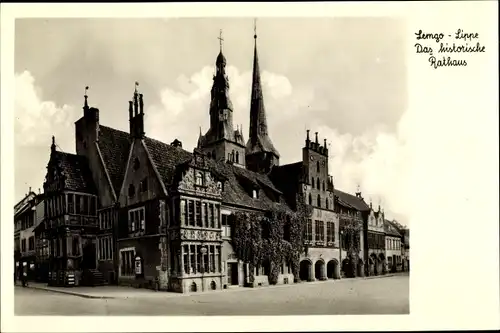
x=255, y=194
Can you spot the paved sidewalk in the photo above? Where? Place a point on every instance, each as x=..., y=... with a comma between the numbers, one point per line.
x=123, y=292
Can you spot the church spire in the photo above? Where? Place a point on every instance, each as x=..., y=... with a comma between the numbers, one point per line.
x=259, y=145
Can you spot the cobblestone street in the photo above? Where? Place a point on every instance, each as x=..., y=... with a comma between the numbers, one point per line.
x=384, y=295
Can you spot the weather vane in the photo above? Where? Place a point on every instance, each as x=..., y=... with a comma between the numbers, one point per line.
x=86, y=89
x=255, y=28
x=220, y=39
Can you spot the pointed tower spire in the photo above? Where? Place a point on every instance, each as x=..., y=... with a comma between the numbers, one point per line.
x=260, y=152
x=53, y=145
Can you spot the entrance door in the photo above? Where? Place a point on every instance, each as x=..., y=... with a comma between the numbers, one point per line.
x=232, y=273
x=89, y=256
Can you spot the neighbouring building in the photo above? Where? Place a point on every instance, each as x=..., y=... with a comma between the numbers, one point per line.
x=375, y=242
x=393, y=240
x=24, y=237
x=133, y=210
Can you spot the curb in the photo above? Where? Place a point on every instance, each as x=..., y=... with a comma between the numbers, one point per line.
x=240, y=289
x=67, y=292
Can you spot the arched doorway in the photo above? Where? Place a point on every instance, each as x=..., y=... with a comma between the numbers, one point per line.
x=319, y=270
x=333, y=269
x=346, y=268
x=361, y=268
x=305, y=270
x=382, y=263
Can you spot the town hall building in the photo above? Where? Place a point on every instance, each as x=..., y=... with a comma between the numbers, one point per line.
x=133, y=210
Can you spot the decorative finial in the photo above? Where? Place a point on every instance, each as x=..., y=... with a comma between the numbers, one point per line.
x=220, y=39
x=255, y=28
x=136, y=85
x=53, y=140
x=86, y=96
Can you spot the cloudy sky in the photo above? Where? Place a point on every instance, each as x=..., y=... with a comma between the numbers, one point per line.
x=343, y=77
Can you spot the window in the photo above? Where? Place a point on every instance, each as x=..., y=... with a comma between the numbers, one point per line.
x=216, y=216
x=312, y=182
x=319, y=201
x=266, y=233
x=183, y=212
x=237, y=157
x=206, y=222
x=185, y=254
x=127, y=257
x=86, y=208
x=78, y=204
x=254, y=194
x=31, y=243
x=192, y=259
x=143, y=185
x=320, y=231
x=226, y=225
x=198, y=214
x=131, y=190
x=330, y=232
x=106, y=248
x=23, y=245
x=212, y=258
x=75, y=246
x=199, y=179
x=308, y=235
x=213, y=154
x=136, y=219
x=71, y=205
x=212, y=217
x=326, y=203
x=310, y=199
x=191, y=212
x=317, y=184
x=317, y=168
x=137, y=164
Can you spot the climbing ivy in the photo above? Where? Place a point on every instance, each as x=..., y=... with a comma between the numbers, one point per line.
x=351, y=229
x=271, y=238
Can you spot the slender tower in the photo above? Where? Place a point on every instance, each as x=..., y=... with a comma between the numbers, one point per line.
x=260, y=153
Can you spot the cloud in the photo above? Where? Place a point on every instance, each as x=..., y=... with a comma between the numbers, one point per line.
x=37, y=120
x=378, y=161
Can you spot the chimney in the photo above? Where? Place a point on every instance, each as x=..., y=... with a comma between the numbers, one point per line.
x=141, y=104
x=317, y=143
x=136, y=106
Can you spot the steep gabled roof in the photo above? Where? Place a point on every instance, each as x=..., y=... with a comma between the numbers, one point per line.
x=351, y=201
x=76, y=172
x=391, y=229
x=114, y=146
x=166, y=157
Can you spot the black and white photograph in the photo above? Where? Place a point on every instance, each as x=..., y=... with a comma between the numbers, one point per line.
x=224, y=165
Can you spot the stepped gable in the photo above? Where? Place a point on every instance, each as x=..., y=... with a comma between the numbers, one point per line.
x=351, y=201
x=76, y=172
x=115, y=147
